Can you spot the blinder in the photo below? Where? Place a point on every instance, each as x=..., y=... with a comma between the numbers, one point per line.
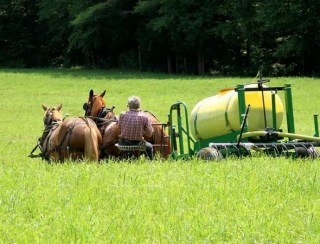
x=48, y=120
x=103, y=112
x=86, y=108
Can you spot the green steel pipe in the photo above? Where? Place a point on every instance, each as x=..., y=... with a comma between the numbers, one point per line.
x=274, y=110
x=181, y=130
x=289, y=109
x=187, y=131
x=179, y=122
x=252, y=134
x=241, y=103
x=281, y=134
x=173, y=148
x=316, y=125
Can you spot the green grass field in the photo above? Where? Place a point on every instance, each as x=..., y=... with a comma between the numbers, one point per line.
x=234, y=200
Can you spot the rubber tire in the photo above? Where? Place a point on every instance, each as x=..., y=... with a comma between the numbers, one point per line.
x=209, y=153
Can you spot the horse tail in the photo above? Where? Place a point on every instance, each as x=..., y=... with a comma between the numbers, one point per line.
x=91, y=150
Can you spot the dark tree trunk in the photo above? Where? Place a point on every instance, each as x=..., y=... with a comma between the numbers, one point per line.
x=169, y=63
x=201, y=67
x=177, y=64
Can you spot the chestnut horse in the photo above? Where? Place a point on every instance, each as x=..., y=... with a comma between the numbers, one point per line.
x=74, y=139
x=108, y=125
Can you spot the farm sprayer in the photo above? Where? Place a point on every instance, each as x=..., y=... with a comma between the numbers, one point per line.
x=240, y=121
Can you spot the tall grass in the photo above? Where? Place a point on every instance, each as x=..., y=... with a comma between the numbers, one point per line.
x=234, y=200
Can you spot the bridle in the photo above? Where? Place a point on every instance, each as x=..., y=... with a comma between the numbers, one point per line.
x=87, y=107
x=102, y=113
x=48, y=119
x=50, y=124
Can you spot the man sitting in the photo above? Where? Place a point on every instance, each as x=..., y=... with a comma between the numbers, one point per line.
x=134, y=124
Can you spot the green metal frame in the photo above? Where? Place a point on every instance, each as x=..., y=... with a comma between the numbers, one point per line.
x=289, y=109
x=178, y=147
x=180, y=150
x=241, y=102
x=316, y=125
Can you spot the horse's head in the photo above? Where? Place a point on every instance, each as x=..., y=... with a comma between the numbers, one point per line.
x=52, y=114
x=96, y=106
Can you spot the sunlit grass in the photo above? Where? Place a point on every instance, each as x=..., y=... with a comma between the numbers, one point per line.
x=234, y=200
x=257, y=199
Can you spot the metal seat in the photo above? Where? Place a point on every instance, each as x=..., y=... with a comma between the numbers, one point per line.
x=132, y=151
x=131, y=148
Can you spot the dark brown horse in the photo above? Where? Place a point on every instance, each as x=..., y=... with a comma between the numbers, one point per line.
x=74, y=139
x=109, y=128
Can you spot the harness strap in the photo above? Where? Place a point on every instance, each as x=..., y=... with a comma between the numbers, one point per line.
x=45, y=134
x=69, y=134
x=31, y=155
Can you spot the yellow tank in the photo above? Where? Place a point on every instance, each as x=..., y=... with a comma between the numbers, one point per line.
x=219, y=115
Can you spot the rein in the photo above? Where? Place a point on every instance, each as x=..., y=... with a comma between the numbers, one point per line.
x=103, y=111
x=42, y=139
x=100, y=119
x=50, y=124
x=103, y=120
x=45, y=137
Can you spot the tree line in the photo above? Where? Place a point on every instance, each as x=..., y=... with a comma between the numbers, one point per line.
x=229, y=37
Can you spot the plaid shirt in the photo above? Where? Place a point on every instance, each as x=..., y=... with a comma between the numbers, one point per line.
x=134, y=125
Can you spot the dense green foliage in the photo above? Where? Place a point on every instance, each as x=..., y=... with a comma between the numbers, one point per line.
x=185, y=36
x=235, y=200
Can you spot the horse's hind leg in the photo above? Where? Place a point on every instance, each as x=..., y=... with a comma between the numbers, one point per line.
x=56, y=156
x=103, y=154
